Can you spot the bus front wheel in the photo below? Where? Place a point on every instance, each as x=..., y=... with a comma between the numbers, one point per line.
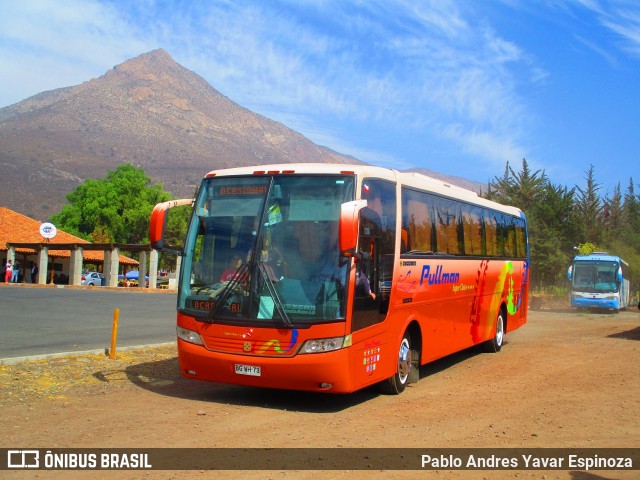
x=495, y=344
x=400, y=380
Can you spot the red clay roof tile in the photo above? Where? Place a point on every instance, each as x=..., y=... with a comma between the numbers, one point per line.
x=18, y=228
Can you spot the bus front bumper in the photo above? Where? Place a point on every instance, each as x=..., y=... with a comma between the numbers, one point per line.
x=602, y=303
x=319, y=372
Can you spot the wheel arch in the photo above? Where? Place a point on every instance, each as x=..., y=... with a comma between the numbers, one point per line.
x=505, y=316
x=394, y=385
x=413, y=327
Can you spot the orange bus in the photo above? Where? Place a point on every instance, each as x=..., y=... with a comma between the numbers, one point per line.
x=331, y=278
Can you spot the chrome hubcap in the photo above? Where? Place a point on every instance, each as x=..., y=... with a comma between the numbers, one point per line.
x=404, y=360
x=499, y=330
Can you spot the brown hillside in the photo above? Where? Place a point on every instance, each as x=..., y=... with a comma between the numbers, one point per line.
x=148, y=111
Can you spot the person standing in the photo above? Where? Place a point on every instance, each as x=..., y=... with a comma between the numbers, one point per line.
x=8, y=272
x=16, y=272
x=34, y=272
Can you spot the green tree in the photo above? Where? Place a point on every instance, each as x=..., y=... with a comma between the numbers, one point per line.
x=561, y=219
x=500, y=187
x=586, y=248
x=613, y=221
x=522, y=189
x=551, y=220
x=627, y=245
x=116, y=208
x=532, y=193
x=552, y=228
x=589, y=209
x=631, y=215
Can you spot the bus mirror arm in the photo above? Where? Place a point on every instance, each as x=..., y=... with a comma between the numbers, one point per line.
x=158, y=225
x=348, y=227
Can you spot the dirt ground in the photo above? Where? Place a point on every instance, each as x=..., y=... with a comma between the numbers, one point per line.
x=566, y=379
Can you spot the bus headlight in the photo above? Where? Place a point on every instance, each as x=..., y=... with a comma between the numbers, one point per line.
x=319, y=345
x=189, y=336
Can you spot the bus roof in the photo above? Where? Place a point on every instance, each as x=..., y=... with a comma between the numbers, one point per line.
x=598, y=256
x=410, y=179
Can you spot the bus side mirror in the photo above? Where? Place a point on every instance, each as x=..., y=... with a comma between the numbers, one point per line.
x=619, y=275
x=158, y=223
x=570, y=272
x=348, y=227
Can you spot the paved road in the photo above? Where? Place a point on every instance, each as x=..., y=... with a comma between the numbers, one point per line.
x=38, y=321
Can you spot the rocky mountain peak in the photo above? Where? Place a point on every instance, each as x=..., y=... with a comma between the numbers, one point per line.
x=148, y=111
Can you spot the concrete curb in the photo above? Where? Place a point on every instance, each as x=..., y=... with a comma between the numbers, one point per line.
x=48, y=356
x=93, y=288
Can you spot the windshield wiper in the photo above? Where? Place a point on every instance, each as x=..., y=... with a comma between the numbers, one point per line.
x=241, y=274
x=272, y=291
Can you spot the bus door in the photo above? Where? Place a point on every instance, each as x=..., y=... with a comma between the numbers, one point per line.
x=367, y=296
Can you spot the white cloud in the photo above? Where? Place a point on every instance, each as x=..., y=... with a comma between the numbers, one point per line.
x=485, y=144
x=608, y=57
x=45, y=45
x=621, y=17
x=626, y=23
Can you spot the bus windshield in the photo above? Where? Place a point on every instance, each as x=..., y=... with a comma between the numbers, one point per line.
x=595, y=277
x=263, y=250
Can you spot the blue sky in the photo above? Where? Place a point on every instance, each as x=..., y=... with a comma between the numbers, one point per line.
x=459, y=87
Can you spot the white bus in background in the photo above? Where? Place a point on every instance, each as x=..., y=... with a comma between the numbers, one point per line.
x=599, y=281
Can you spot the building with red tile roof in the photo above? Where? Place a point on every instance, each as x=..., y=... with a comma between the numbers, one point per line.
x=16, y=228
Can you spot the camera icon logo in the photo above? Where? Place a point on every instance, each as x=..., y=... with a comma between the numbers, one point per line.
x=23, y=459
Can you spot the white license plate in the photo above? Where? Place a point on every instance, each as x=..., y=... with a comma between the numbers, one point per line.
x=248, y=370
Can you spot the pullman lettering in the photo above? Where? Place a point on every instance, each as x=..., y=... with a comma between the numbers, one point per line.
x=439, y=277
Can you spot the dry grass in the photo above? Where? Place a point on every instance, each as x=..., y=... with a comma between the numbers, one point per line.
x=60, y=377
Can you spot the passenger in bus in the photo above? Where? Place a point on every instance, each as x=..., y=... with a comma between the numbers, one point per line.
x=233, y=270
x=363, y=287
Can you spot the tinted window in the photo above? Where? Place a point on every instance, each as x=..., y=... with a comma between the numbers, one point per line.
x=435, y=224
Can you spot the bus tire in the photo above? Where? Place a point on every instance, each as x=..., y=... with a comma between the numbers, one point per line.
x=396, y=384
x=495, y=344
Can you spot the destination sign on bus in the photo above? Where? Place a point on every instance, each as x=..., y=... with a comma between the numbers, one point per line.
x=242, y=190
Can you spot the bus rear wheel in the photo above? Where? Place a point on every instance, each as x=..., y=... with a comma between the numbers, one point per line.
x=400, y=380
x=495, y=344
